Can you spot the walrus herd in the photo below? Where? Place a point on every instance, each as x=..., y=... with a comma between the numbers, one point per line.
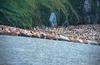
x=88, y=34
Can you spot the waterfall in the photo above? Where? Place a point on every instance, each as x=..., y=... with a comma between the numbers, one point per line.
x=98, y=2
x=87, y=5
x=53, y=20
x=87, y=10
x=97, y=13
x=89, y=15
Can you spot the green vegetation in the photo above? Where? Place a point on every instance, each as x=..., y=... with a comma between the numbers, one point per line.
x=31, y=13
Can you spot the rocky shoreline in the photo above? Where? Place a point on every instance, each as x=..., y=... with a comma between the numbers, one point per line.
x=86, y=34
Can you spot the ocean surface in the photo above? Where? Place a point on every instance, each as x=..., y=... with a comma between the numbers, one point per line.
x=16, y=50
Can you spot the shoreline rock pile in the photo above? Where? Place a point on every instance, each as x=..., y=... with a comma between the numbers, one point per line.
x=88, y=34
